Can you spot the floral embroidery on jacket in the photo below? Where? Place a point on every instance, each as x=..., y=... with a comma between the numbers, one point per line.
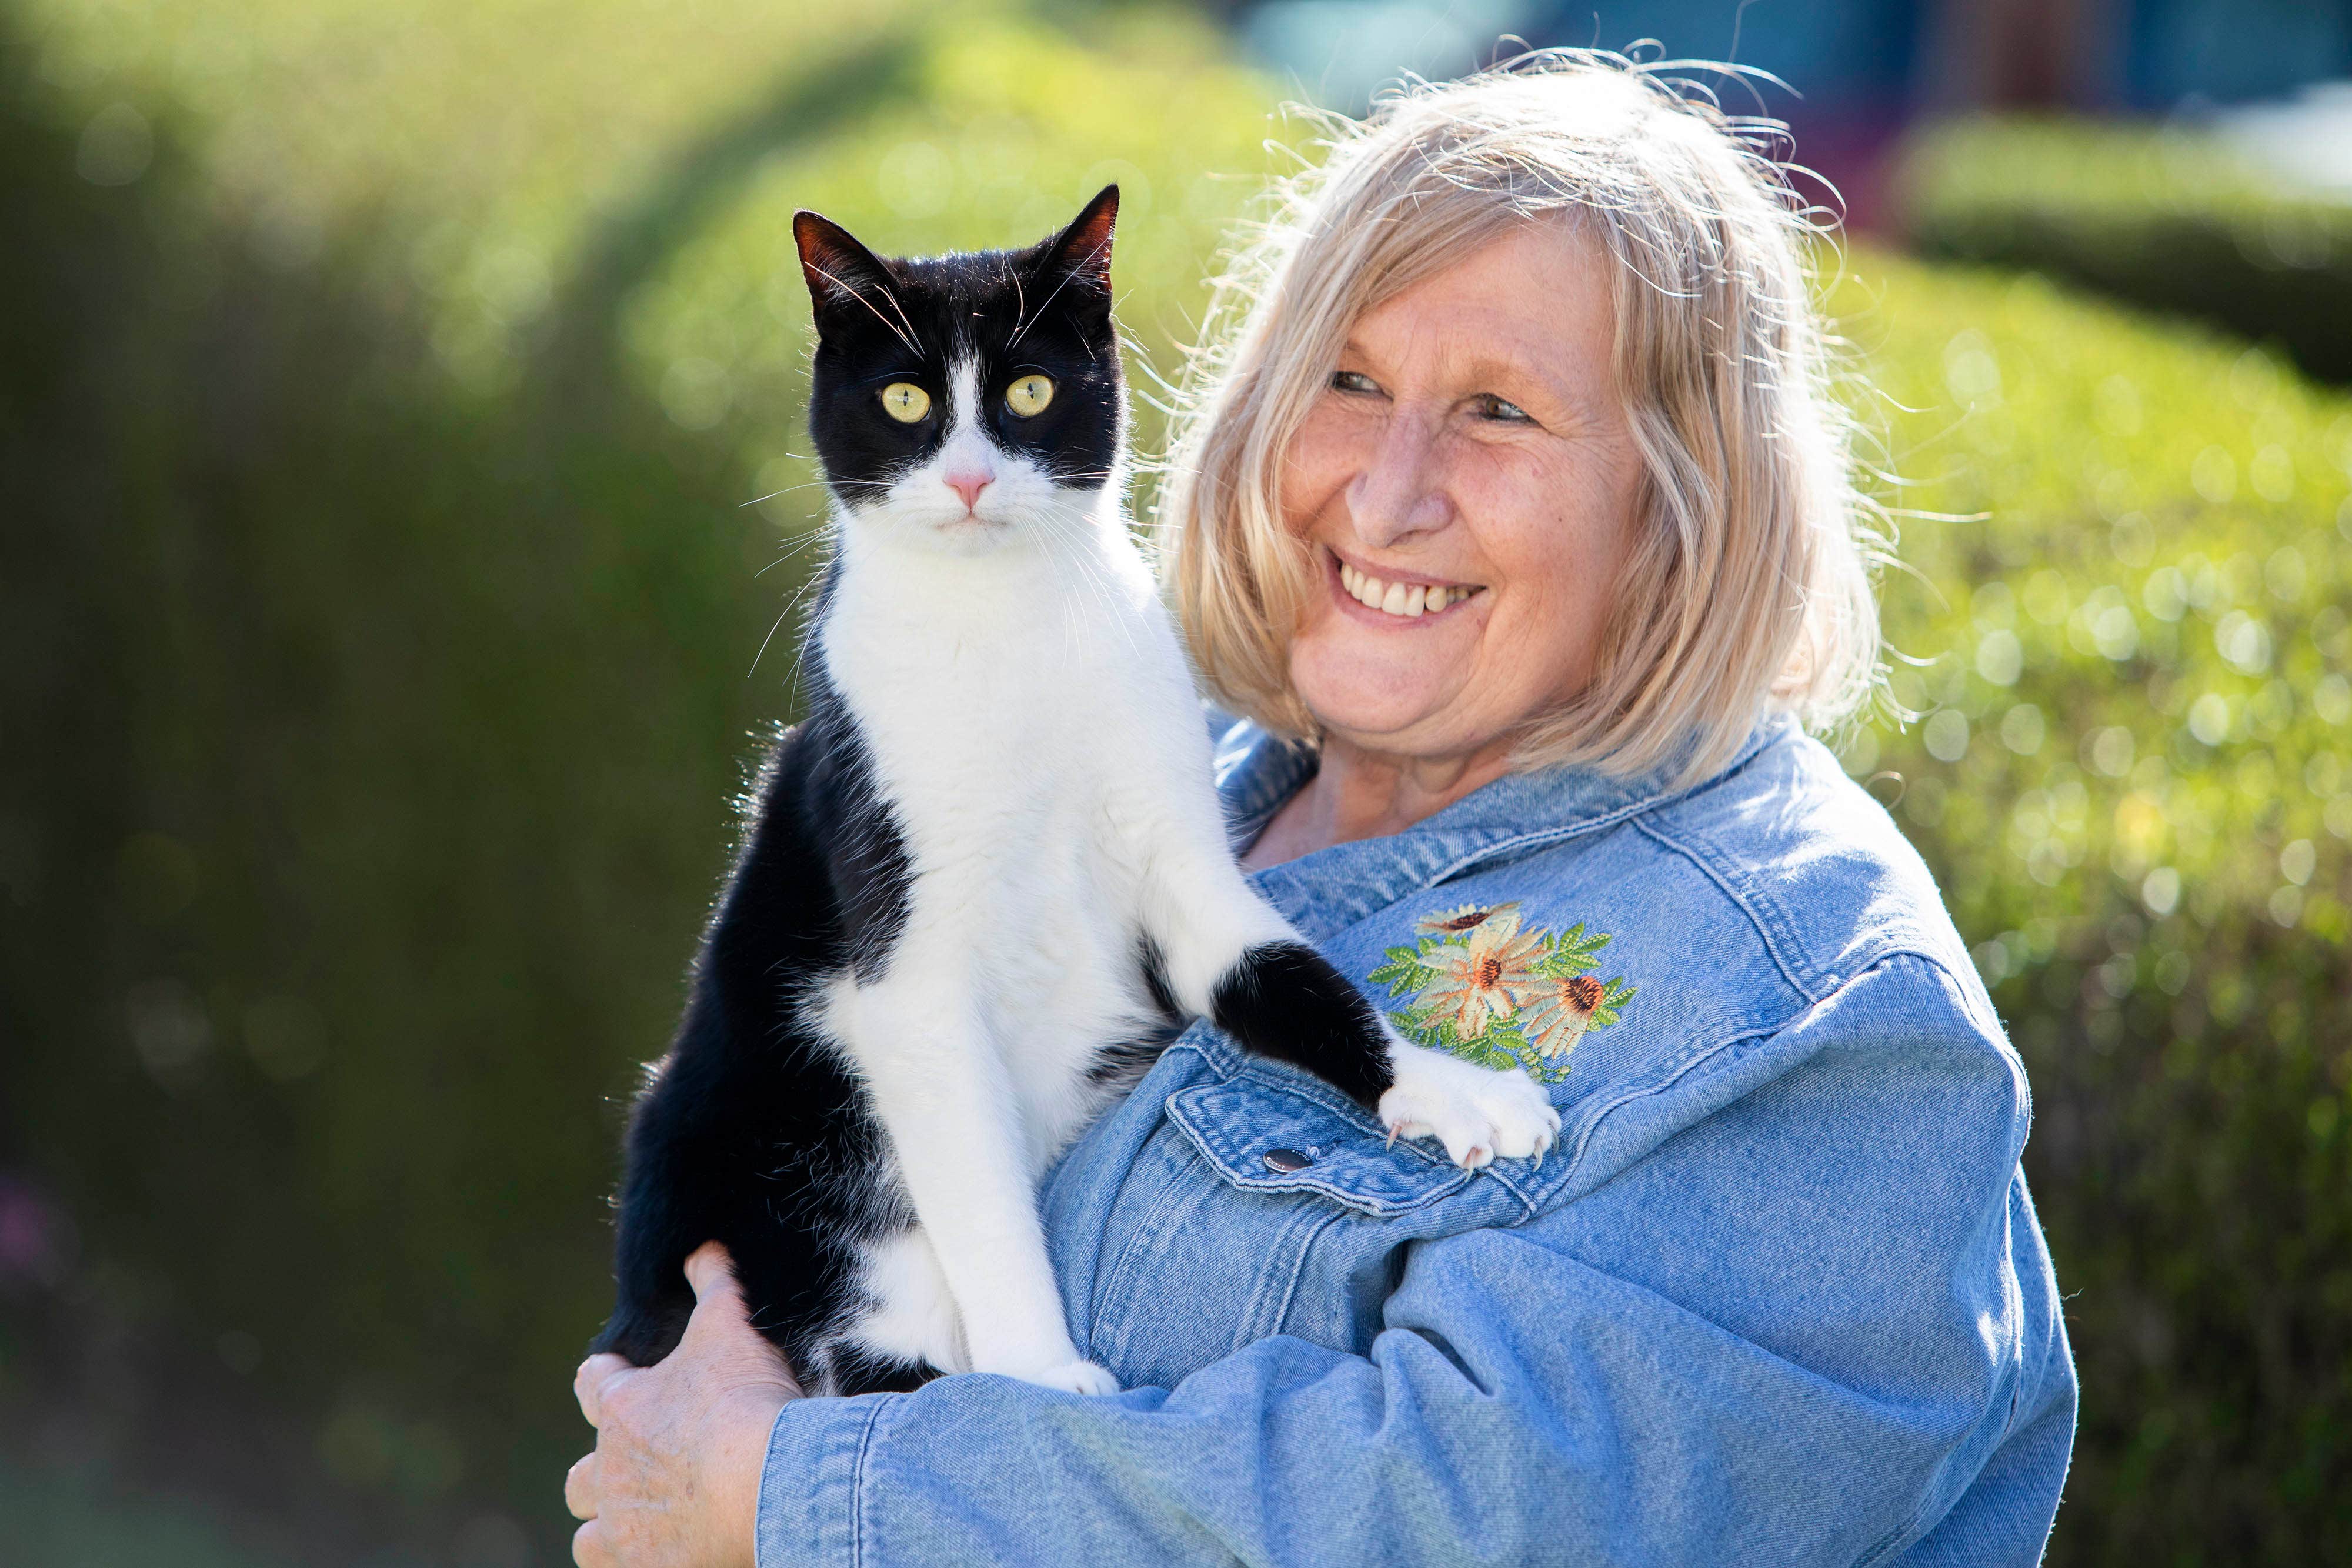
x=1490, y=993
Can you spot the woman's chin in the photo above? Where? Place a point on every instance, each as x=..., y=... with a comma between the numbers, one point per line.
x=1372, y=694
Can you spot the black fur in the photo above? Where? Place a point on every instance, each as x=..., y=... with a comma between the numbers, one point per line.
x=752, y=1132
x=1285, y=1000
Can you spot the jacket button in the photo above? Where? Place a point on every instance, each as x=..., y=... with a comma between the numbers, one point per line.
x=1288, y=1160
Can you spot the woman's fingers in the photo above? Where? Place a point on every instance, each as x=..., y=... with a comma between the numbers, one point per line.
x=589, y=1546
x=722, y=1318
x=718, y=1305
x=708, y=1268
x=588, y=1384
x=580, y=1487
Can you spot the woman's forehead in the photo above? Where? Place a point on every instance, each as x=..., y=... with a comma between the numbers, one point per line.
x=1533, y=304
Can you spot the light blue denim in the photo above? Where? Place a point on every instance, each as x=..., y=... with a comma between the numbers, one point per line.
x=1779, y=1295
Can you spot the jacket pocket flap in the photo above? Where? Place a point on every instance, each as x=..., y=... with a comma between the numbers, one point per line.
x=1268, y=1138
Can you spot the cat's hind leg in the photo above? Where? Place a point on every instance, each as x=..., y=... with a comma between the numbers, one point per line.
x=940, y=1091
x=906, y=1308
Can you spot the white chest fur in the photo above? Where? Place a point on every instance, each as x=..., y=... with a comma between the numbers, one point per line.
x=1024, y=706
x=1033, y=730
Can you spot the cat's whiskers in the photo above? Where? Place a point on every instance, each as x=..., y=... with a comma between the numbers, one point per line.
x=890, y=295
x=792, y=604
x=1049, y=299
x=1020, y=307
x=766, y=640
x=812, y=537
x=1104, y=590
x=788, y=490
x=801, y=649
x=861, y=299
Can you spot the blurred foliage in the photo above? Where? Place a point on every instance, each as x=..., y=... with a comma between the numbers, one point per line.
x=2132, y=780
x=74, y=1520
x=377, y=408
x=2166, y=218
x=373, y=637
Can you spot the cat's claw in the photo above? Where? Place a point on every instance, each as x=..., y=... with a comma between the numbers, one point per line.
x=1477, y=1113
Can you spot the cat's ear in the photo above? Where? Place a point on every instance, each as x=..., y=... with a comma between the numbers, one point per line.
x=837, y=267
x=1082, y=251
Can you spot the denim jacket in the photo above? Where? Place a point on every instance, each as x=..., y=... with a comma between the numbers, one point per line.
x=1778, y=1296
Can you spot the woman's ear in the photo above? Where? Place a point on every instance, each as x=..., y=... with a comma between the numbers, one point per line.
x=839, y=268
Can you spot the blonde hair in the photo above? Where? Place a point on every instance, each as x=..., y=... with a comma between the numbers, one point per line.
x=1747, y=587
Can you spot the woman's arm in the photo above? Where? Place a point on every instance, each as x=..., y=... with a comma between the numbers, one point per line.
x=1799, y=1327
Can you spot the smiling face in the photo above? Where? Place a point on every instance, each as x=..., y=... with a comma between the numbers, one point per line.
x=1468, y=482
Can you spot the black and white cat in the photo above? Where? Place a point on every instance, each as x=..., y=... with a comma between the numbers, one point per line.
x=987, y=876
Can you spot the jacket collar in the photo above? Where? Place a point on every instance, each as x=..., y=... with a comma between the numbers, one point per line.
x=1516, y=815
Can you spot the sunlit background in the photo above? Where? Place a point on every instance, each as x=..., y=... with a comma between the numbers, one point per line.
x=385, y=390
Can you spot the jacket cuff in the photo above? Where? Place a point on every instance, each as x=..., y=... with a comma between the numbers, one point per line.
x=810, y=1486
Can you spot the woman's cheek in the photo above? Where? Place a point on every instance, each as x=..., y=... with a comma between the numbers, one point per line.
x=1314, y=469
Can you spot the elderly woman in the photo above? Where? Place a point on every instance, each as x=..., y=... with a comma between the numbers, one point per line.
x=1515, y=518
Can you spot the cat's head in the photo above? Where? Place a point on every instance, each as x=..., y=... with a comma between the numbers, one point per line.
x=962, y=401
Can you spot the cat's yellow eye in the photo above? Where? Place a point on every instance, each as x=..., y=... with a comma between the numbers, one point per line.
x=906, y=402
x=1029, y=394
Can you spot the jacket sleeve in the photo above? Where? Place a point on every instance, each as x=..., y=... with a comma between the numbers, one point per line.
x=1793, y=1307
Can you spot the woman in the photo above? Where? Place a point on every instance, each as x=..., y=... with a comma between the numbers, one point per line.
x=1515, y=518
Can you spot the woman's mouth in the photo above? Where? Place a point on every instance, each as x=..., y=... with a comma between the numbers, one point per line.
x=1405, y=601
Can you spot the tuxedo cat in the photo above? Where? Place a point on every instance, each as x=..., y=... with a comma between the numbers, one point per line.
x=986, y=877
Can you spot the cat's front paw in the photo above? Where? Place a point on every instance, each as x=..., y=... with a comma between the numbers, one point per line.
x=1076, y=1377
x=1477, y=1113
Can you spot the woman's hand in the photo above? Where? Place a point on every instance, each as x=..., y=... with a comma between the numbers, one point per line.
x=675, y=1479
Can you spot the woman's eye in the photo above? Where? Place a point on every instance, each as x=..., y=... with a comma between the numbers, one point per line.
x=1353, y=381
x=905, y=402
x=1494, y=407
x=1029, y=394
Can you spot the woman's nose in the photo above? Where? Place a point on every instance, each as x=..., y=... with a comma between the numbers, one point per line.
x=1400, y=491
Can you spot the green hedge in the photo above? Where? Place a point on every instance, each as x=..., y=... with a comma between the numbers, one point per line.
x=374, y=629
x=2163, y=218
x=2135, y=783
x=377, y=626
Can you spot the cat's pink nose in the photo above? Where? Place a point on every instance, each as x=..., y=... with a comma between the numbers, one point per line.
x=969, y=486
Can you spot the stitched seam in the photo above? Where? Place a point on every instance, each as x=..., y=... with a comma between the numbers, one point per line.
x=1995, y=1036
x=1143, y=1239
x=1317, y=1092
x=1148, y=1228
x=1544, y=836
x=1680, y=1069
x=1312, y=1090
x=1591, y=1127
x=1513, y=1187
x=1893, y=1538
x=1290, y=1287
x=2013, y=1298
x=1212, y=1149
x=1763, y=931
x=857, y=1487
x=1609, y=818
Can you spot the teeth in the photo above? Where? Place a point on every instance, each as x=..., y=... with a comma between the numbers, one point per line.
x=1402, y=599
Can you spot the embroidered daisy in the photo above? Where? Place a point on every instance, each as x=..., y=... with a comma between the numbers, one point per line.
x=1560, y=1011
x=1454, y=922
x=1486, y=977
